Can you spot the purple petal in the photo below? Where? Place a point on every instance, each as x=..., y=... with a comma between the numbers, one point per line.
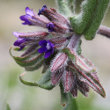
x=23, y=17
x=52, y=50
x=43, y=43
x=42, y=9
x=52, y=45
x=29, y=11
x=47, y=54
x=16, y=34
x=56, y=76
x=46, y=47
x=26, y=18
x=50, y=27
x=19, y=42
x=42, y=50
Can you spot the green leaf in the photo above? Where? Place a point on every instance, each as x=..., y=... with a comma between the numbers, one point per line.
x=97, y=17
x=46, y=79
x=81, y=21
x=44, y=82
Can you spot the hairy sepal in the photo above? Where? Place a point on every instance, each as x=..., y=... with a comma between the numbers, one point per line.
x=53, y=16
x=56, y=75
x=28, y=60
x=33, y=35
x=36, y=66
x=68, y=81
x=59, y=60
x=90, y=78
x=79, y=60
x=87, y=70
x=26, y=53
x=83, y=87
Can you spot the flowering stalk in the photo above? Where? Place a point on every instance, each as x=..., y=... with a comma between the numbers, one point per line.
x=58, y=50
x=104, y=30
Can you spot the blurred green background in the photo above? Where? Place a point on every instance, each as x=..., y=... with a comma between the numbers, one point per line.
x=21, y=97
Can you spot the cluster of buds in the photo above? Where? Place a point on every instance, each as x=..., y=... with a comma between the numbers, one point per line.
x=58, y=50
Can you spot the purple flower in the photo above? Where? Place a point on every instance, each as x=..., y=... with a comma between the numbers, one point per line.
x=46, y=47
x=50, y=27
x=66, y=65
x=19, y=41
x=26, y=18
x=42, y=9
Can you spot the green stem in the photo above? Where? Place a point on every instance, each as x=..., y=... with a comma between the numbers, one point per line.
x=72, y=105
x=71, y=5
x=63, y=8
x=67, y=100
x=8, y=107
x=63, y=95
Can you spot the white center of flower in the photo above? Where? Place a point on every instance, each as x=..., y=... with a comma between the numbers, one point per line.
x=48, y=46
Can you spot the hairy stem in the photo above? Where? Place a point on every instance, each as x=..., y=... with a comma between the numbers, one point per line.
x=104, y=30
x=63, y=8
x=71, y=5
